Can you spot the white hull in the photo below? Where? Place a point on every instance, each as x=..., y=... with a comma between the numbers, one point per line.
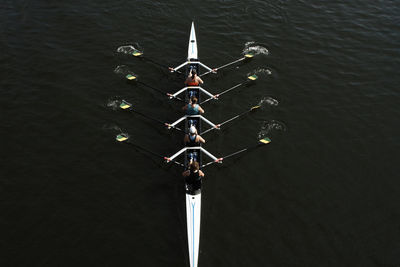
x=193, y=212
x=193, y=202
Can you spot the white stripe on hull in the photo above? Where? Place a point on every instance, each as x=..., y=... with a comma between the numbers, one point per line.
x=193, y=211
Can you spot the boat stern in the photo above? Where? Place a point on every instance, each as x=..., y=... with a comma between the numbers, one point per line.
x=193, y=212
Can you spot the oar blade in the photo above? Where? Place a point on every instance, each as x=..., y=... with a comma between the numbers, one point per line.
x=265, y=141
x=252, y=77
x=131, y=77
x=254, y=108
x=249, y=55
x=125, y=105
x=136, y=53
x=122, y=137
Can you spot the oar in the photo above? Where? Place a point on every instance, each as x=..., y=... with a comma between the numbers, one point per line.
x=218, y=126
x=246, y=56
x=260, y=142
x=139, y=54
x=249, y=79
x=133, y=77
x=125, y=139
x=128, y=106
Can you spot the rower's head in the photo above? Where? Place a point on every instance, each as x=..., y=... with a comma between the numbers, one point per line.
x=194, y=73
x=194, y=100
x=192, y=130
x=194, y=166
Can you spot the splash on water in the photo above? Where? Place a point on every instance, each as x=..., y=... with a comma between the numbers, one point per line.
x=255, y=48
x=113, y=127
x=261, y=70
x=269, y=127
x=123, y=70
x=129, y=49
x=268, y=101
x=121, y=133
x=114, y=103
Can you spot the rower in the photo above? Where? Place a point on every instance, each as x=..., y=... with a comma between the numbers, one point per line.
x=193, y=139
x=192, y=108
x=193, y=175
x=193, y=79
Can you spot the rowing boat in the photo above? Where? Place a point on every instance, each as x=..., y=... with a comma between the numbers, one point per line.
x=192, y=191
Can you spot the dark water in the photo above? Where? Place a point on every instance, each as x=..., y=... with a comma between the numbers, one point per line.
x=323, y=193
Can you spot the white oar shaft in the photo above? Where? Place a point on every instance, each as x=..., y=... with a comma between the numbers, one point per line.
x=206, y=131
x=208, y=99
x=223, y=92
x=233, y=62
x=231, y=119
x=230, y=89
x=223, y=66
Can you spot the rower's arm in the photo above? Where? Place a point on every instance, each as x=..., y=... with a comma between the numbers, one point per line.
x=201, y=139
x=201, y=110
